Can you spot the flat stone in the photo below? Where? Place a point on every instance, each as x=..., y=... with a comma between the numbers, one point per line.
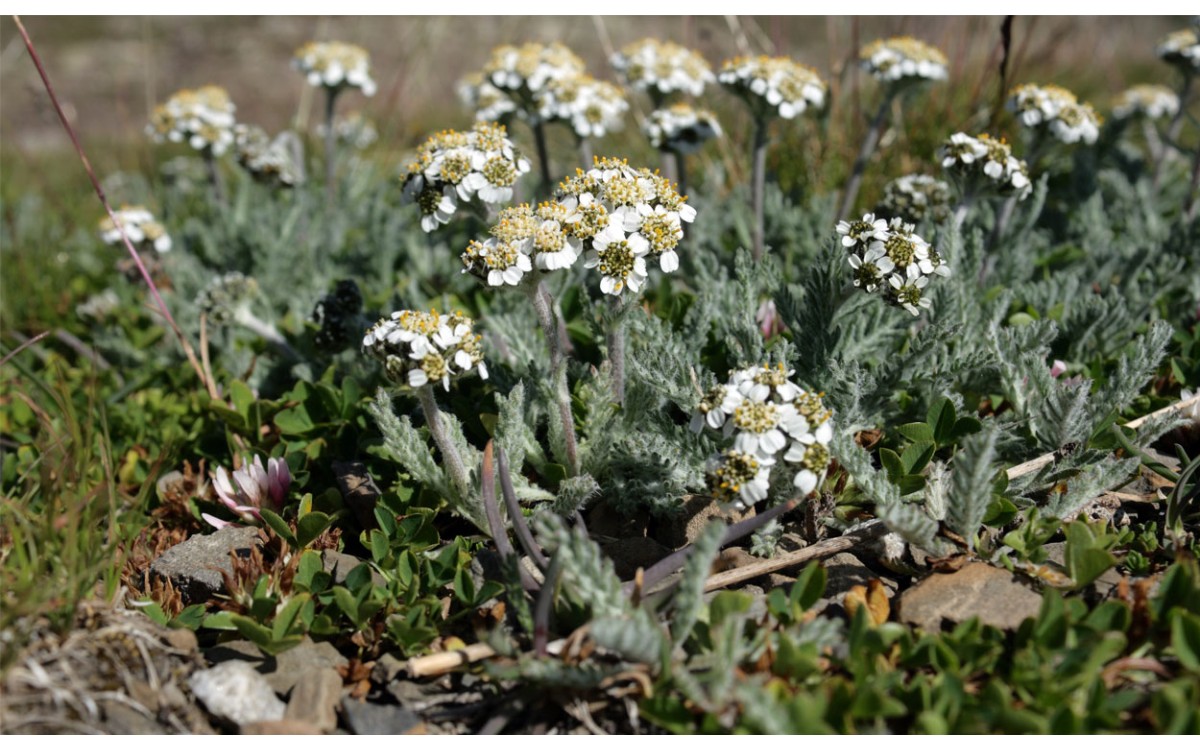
x=630, y=554
x=684, y=528
x=377, y=718
x=280, y=726
x=194, y=566
x=120, y=718
x=995, y=596
x=236, y=694
x=386, y=668
x=299, y=663
x=315, y=698
x=182, y=639
x=844, y=571
x=339, y=565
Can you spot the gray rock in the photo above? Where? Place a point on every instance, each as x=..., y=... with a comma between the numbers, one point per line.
x=194, y=566
x=315, y=698
x=299, y=663
x=995, y=596
x=386, y=668
x=236, y=694
x=376, y=718
x=339, y=565
x=844, y=571
x=282, y=726
x=120, y=718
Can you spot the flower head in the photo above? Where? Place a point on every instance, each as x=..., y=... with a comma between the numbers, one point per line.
x=335, y=65
x=903, y=60
x=454, y=166
x=985, y=163
x=681, y=128
x=591, y=107
x=916, y=198
x=740, y=479
x=1055, y=110
x=1150, y=101
x=140, y=227
x=419, y=348
x=662, y=68
x=251, y=489
x=202, y=118
x=897, y=262
x=774, y=85
x=268, y=161
x=1181, y=49
x=516, y=79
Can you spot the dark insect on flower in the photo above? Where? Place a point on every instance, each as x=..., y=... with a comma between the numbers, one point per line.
x=338, y=313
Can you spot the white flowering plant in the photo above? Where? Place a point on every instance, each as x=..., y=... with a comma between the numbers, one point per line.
x=335, y=65
x=1055, y=110
x=1182, y=49
x=272, y=161
x=455, y=167
x=681, y=128
x=203, y=118
x=917, y=198
x=982, y=164
x=422, y=348
x=1151, y=101
x=902, y=61
x=890, y=258
x=662, y=69
x=140, y=227
x=774, y=86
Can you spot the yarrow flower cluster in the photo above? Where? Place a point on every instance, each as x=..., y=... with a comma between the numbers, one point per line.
x=515, y=80
x=268, y=161
x=202, y=118
x=455, y=166
x=141, y=228
x=916, y=198
x=892, y=259
x=419, y=348
x=354, y=129
x=335, y=65
x=251, y=489
x=662, y=68
x=1181, y=49
x=681, y=128
x=591, y=107
x=1147, y=100
x=769, y=418
x=622, y=216
x=1055, y=109
x=984, y=162
x=902, y=60
x=774, y=85
x=522, y=238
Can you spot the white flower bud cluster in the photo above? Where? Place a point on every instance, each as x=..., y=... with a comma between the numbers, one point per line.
x=1055, y=109
x=491, y=104
x=681, y=128
x=985, y=162
x=892, y=259
x=916, y=198
x=268, y=161
x=455, y=166
x=418, y=348
x=903, y=59
x=769, y=418
x=774, y=85
x=335, y=65
x=201, y=118
x=1150, y=101
x=621, y=216
x=140, y=227
x=591, y=107
x=1181, y=49
x=354, y=129
x=663, y=68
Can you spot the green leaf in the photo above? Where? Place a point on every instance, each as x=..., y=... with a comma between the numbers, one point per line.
x=219, y=621
x=155, y=613
x=891, y=463
x=464, y=587
x=728, y=603
x=916, y=457
x=280, y=527
x=1086, y=561
x=310, y=564
x=1185, y=639
x=917, y=432
x=287, y=616
x=379, y=545
x=252, y=631
x=191, y=617
x=941, y=417
x=346, y=602
x=242, y=398
x=310, y=527
x=294, y=421
x=809, y=586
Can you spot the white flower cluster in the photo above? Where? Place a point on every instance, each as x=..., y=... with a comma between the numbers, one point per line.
x=516, y=79
x=1147, y=100
x=418, y=348
x=621, y=216
x=591, y=107
x=353, y=129
x=522, y=238
x=769, y=418
x=985, y=162
x=202, y=118
x=892, y=259
x=335, y=65
x=268, y=161
x=1181, y=48
x=491, y=104
x=455, y=166
x=774, y=85
x=141, y=228
x=903, y=59
x=916, y=198
x=663, y=68
x=681, y=128
x=1057, y=110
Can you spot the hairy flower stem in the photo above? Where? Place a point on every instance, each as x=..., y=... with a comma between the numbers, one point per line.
x=615, y=340
x=585, y=153
x=544, y=605
x=491, y=509
x=330, y=146
x=962, y=209
x=1185, y=89
x=214, y=177
x=542, y=304
x=524, y=535
x=869, y=144
x=539, y=138
x=450, y=456
x=758, y=185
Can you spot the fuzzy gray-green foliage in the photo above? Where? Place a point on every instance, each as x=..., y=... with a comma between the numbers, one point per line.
x=972, y=472
x=689, y=595
x=908, y=520
x=588, y=578
x=574, y=493
x=404, y=445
